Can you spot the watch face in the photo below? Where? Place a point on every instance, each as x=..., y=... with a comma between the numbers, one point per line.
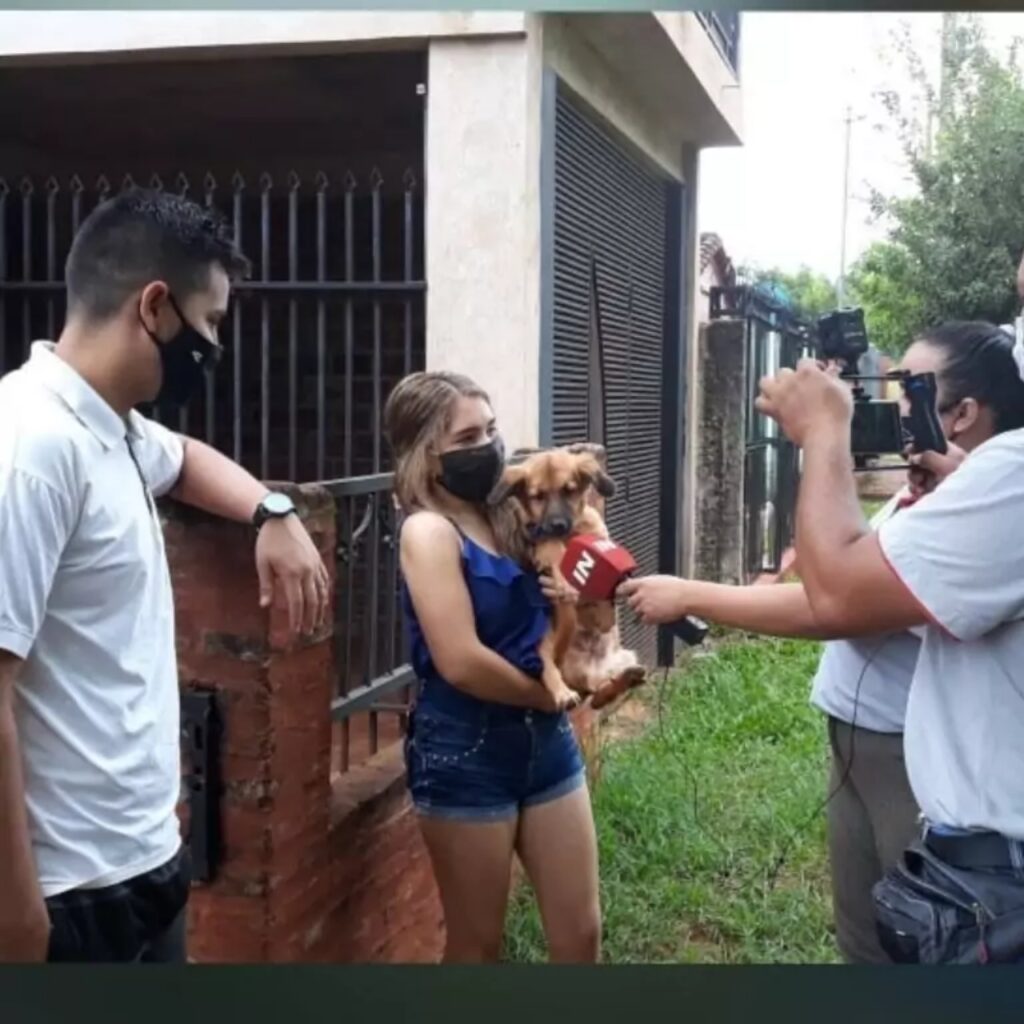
x=278, y=504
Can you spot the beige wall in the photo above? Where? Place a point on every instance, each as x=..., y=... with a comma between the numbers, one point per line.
x=700, y=55
x=29, y=35
x=586, y=71
x=483, y=221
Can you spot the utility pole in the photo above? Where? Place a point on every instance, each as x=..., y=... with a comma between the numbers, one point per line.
x=841, y=286
x=948, y=37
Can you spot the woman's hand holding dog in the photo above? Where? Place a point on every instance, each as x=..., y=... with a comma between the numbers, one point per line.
x=557, y=591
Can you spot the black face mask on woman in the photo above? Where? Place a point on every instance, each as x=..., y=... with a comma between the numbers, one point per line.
x=472, y=473
x=186, y=359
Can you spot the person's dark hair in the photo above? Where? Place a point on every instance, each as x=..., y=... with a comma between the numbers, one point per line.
x=141, y=236
x=978, y=363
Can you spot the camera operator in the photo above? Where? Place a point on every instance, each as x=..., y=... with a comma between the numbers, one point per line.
x=862, y=684
x=954, y=564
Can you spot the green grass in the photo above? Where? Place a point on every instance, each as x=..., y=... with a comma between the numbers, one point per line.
x=870, y=506
x=695, y=813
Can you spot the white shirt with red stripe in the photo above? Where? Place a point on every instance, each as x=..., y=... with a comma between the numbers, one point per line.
x=960, y=552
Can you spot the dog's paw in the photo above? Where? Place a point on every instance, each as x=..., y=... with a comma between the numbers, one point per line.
x=632, y=678
x=628, y=679
x=565, y=699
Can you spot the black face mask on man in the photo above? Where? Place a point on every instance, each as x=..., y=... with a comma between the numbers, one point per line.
x=472, y=473
x=186, y=359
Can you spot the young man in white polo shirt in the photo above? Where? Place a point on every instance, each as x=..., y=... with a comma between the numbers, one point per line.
x=954, y=564
x=91, y=862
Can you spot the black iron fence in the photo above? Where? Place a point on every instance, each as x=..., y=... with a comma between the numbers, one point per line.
x=332, y=317
x=775, y=338
x=724, y=29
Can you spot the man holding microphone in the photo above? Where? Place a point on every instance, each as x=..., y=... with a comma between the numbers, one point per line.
x=958, y=894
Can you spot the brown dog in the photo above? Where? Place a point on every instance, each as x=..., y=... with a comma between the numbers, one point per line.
x=557, y=493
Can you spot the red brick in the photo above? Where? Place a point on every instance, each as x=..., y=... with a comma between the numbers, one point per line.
x=291, y=886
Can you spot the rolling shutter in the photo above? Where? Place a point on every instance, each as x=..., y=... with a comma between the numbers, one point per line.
x=610, y=218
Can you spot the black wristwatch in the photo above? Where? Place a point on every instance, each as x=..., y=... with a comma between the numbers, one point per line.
x=274, y=506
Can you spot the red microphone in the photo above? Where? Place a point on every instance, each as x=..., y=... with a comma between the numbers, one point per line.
x=595, y=567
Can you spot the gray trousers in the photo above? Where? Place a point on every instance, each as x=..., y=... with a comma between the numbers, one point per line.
x=871, y=820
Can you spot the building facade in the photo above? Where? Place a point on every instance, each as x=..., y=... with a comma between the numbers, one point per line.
x=509, y=194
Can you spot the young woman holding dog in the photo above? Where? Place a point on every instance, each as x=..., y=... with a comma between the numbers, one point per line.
x=862, y=685
x=493, y=764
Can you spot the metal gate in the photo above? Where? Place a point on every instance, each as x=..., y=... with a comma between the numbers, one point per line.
x=612, y=226
x=332, y=317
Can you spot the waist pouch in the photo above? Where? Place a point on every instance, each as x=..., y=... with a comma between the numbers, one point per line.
x=928, y=912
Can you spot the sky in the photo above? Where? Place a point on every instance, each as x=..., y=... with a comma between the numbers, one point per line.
x=777, y=200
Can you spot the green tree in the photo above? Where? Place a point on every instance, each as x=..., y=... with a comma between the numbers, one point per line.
x=954, y=245
x=881, y=282
x=810, y=294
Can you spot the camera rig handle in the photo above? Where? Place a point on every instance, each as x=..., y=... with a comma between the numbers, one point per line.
x=923, y=423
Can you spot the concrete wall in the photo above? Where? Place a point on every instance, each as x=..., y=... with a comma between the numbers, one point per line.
x=586, y=70
x=483, y=221
x=719, y=446
x=35, y=35
x=717, y=80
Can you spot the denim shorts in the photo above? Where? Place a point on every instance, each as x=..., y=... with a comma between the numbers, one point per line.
x=489, y=763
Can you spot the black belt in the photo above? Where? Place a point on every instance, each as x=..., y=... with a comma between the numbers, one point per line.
x=978, y=850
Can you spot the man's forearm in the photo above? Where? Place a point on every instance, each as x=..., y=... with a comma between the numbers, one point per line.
x=24, y=922
x=829, y=519
x=212, y=482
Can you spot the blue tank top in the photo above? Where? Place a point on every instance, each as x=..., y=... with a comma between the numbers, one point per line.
x=511, y=614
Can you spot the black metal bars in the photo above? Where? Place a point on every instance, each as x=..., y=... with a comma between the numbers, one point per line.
x=332, y=317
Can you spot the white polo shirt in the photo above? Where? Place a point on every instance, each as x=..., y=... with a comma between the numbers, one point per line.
x=960, y=551
x=85, y=600
x=866, y=681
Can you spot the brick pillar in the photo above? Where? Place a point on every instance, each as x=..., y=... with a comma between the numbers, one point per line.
x=275, y=705
x=720, y=451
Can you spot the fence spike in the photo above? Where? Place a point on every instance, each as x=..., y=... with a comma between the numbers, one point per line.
x=376, y=179
x=127, y=182
x=103, y=186
x=76, y=185
x=28, y=187
x=409, y=180
x=4, y=188
x=52, y=185
x=322, y=182
x=266, y=183
x=351, y=184
x=237, y=182
x=294, y=182
x=156, y=182
x=182, y=183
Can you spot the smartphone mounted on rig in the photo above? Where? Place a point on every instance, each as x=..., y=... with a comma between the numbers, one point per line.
x=879, y=428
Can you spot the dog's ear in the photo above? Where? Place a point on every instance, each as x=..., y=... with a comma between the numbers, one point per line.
x=592, y=473
x=589, y=448
x=512, y=481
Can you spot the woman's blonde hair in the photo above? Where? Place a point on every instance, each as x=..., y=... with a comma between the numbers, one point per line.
x=417, y=415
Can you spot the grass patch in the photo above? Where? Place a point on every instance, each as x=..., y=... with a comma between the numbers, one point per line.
x=694, y=813
x=872, y=506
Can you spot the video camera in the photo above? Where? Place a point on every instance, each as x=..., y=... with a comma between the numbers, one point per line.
x=878, y=426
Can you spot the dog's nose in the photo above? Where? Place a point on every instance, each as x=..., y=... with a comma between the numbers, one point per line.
x=559, y=527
